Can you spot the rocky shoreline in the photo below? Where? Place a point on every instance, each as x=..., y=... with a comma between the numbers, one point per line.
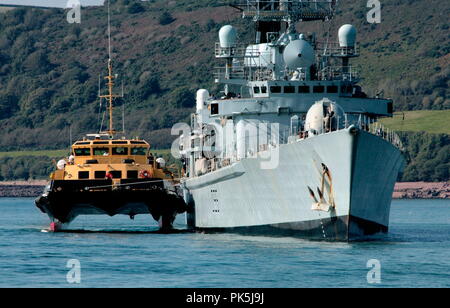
x=422, y=190
x=21, y=189
x=413, y=190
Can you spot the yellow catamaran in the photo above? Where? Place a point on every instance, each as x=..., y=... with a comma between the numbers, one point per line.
x=109, y=175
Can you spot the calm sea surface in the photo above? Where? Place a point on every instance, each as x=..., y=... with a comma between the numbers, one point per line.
x=119, y=252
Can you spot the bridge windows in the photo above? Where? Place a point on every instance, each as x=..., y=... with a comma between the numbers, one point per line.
x=132, y=174
x=83, y=175
x=119, y=151
x=256, y=90
x=101, y=151
x=303, y=89
x=332, y=89
x=82, y=151
x=116, y=174
x=100, y=174
x=214, y=109
x=346, y=89
x=138, y=151
x=319, y=89
x=289, y=89
x=275, y=89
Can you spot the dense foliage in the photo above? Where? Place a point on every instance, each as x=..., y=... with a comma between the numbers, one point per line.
x=428, y=157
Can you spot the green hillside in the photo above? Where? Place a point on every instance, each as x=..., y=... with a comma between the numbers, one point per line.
x=430, y=121
x=163, y=52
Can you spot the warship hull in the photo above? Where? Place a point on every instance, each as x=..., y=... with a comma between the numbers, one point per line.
x=64, y=200
x=294, y=199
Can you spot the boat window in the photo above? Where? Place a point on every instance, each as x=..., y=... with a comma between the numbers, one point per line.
x=137, y=142
x=275, y=89
x=83, y=143
x=101, y=151
x=289, y=89
x=264, y=90
x=256, y=90
x=120, y=142
x=120, y=151
x=346, y=89
x=132, y=174
x=139, y=151
x=303, y=89
x=82, y=175
x=214, y=108
x=332, y=89
x=100, y=174
x=82, y=152
x=101, y=142
x=116, y=174
x=318, y=89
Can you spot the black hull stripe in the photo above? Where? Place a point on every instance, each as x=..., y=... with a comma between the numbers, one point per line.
x=344, y=228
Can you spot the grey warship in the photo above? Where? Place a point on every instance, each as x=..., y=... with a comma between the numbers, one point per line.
x=292, y=145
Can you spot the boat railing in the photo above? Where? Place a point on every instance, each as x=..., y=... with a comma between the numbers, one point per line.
x=363, y=123
x=299, y=9
x=327, y=49
x=236, y=51
x=349, y=73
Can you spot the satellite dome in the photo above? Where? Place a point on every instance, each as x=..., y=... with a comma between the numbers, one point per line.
x=227, y=36
x=347, y=36
x=315, y=121
x=298, y=53
x=161, y=162
x=202, y=97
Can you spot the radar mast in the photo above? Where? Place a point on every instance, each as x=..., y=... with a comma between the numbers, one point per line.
x=110, y=96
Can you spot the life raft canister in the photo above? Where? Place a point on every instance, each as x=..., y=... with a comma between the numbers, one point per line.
x=144, y=174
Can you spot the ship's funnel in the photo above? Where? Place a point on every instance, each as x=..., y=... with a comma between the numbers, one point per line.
x=347, y=36
x=227, y=36
x=298, y=54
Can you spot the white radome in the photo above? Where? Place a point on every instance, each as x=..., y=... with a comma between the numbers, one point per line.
x=298, y=54
x=347, y=36
x=227, y=36
x=202, y=97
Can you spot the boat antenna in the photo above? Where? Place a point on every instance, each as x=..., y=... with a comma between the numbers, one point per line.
x=110, y=96
x=123, y=112
x=109, y=30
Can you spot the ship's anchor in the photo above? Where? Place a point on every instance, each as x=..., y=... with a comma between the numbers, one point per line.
x=321, y=204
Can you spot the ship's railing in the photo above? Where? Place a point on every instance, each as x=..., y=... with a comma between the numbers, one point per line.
x=363, y=123
x=235, y=72
x=243, y=72
x=350, y=73
x=281, y=9
x=237, y=51
x=335, y=50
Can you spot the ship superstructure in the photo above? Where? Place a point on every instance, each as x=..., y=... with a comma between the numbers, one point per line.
x=292, y=144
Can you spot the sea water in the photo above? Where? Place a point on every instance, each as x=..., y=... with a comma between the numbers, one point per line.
x=101, y=251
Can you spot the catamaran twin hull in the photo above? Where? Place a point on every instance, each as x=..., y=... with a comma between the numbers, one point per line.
x=64, y=200
x=336, y=186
